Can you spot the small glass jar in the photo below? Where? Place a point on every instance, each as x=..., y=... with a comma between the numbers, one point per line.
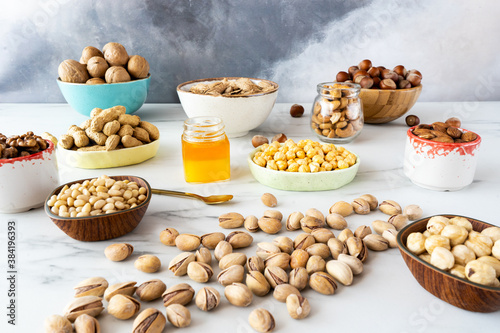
x=337, y=112
x=205, y=150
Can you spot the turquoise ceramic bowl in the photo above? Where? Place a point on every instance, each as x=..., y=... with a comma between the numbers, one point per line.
x=298, y=181
x=84, y=97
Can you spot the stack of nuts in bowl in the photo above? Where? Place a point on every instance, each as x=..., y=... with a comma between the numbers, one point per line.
x=452, y=245
x=112, y=65
x=21, y=145
x=379, y=77
x=109, y=129
x=303, y=156
x=447, y=132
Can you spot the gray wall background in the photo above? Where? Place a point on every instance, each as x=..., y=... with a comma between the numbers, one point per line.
x=297, y=43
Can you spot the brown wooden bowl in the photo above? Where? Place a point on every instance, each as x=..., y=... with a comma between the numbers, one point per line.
x=101, y=227
x=456, y=291
x=382, y=106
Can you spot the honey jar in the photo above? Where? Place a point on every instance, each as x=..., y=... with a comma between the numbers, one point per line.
x=205, y=150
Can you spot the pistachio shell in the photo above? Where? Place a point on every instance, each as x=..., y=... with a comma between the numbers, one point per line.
x=178, y=315
x=238, y=294
x=261, y=320
x=187, y=242
x=123, y=306
x=232, y=259
x=231, y=220
x=181, y=293
x=203, y=255
x=168, y=236
x=232, y=274
x=123, y=288
x=299, y=278
x=207, y=299
x=255, y=263
x=282, y=291
x=149, y=321
x=94, y=286
x=323, y=283
x=293, y=221
x=251, y=223
x=118, y=252
x=239, y=239
x=275, y=276
x=257, y=283
x=57, y=323
x=298, y=307
x=90, y=305
x=211, y=240
x=199, y=271
x=86, y=324
x=284, y=243
x=178, y=265
x=150, y=290
x=340, y=271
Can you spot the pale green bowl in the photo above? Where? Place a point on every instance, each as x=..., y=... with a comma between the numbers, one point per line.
x=298, y=181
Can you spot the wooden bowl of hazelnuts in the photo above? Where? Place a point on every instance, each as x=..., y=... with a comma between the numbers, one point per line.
x=386, y=94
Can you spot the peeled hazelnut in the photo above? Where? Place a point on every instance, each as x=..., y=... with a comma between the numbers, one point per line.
x=116, y=74
x=259, y=140
x=416, y=243
x=72, y=71
x=387, y=84
x=281, y=138
x=115, y=54
x=412, y=120
x=442, y=258
x=97, y=66
x=90, y=52
x=479, y=272
x=297, y=110
x=138, y=67
x=454, y=121
x=342, y=76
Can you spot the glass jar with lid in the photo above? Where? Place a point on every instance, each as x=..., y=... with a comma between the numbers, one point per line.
x=205, y=150
x=337, y=112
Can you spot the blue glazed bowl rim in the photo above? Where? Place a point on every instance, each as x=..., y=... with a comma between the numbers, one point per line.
x=59, y=81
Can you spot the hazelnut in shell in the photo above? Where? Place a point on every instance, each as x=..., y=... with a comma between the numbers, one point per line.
x=342, y=76
x=72, y=71
x=116, y=74
x=138, y=67
x=115, y=54
x=88, y=53
x=97, y=66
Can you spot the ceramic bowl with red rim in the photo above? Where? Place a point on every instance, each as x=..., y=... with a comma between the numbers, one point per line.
x=440, y=166
x=26, y=181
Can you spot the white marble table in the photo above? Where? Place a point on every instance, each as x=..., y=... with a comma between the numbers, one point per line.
x=384, y=298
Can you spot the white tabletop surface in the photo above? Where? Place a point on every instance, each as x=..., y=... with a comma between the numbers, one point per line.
x=385, y=298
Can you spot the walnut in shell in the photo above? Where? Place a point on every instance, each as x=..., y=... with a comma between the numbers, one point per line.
x=88, y=53
x=138, y=67
x=95, y=80
x=97, y=66
x=115, y=54
x=116, y=74
x=72, y=71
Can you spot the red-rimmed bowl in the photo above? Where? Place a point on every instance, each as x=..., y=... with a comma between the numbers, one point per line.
x=440, y=166
x=26, y=181
x=456, y=291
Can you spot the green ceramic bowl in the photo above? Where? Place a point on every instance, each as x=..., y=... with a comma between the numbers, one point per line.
x=297, y=181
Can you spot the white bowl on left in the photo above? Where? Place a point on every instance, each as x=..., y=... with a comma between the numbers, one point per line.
x=26, y=181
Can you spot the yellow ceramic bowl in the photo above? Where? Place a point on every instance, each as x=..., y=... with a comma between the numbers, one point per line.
x=108, y=159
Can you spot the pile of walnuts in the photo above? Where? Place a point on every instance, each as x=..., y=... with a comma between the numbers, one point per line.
x=112, y=65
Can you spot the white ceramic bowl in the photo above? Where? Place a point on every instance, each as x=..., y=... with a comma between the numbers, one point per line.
x=440, y=166
x=240, y=114
x=302, y=181
x=26, y=181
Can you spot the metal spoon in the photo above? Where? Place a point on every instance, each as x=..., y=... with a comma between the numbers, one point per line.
x=211, y=200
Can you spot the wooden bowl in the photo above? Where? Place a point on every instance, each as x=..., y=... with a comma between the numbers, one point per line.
x=101, y=227
x=456, y=291
x=382, y=106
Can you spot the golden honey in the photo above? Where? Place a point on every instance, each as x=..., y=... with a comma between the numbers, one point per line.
x=205, y=150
